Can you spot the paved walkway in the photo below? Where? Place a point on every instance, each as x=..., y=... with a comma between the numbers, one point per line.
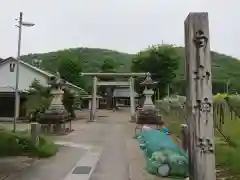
x=116, y=154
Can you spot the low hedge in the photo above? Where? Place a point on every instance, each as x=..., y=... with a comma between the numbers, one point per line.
x=19, y=144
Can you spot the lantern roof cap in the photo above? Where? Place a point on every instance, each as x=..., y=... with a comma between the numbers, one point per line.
x=148, y=80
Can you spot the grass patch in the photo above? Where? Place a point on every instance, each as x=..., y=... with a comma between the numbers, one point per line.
x=173, y=123
x=20, y=144
x=46, y=148
x=227, y=157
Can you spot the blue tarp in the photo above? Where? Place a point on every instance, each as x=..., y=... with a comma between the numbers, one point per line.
x=160, y=149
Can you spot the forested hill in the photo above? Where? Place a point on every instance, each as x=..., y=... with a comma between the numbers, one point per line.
x=224, y=67
x=90, y=58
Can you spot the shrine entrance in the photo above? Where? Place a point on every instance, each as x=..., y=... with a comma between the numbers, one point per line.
x=128, y=83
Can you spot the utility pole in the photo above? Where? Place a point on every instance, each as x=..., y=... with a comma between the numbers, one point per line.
x=17, y=98
x=199, y=98
x=17, y=95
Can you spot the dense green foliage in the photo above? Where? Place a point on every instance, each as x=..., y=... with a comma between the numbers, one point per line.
x=161, y=61
x=70, y=67
x=39, y=98
x=224, y=67
x=226, y=123
x=20, y=144
x=108, y=66
x=92, y=59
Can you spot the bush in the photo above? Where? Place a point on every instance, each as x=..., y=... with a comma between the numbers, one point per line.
x=225, y=110
x=46, y=148
x=20, y=144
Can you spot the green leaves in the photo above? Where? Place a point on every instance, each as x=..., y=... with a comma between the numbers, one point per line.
x=70, y=67
x=108, y=66
x=91, y=59
x=161, y=61
x=39, y=97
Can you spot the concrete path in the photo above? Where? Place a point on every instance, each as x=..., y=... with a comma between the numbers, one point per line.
x=106, y=146
x=108, y=135
x=113, y=163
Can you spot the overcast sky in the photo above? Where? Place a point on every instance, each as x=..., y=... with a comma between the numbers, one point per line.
x=123, y=25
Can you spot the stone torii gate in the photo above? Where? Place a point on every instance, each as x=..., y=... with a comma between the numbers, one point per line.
x=129, y=83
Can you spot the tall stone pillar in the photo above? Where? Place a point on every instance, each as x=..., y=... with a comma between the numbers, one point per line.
x=199, y=97
x=132, y=98
x=94, y=99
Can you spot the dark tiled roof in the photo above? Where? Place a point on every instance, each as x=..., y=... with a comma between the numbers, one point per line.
x=3, y=60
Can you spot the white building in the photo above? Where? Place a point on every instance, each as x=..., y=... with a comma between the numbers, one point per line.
x=27, y=74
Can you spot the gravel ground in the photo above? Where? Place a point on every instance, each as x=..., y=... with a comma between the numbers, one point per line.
x=10, y=167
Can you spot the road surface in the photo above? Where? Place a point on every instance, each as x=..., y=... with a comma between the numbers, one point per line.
x=103, y=149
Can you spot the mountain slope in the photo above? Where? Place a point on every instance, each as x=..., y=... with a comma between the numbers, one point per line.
x=92, y=58
x=223, y=67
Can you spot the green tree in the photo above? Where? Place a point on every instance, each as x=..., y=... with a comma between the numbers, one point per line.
x=161, y=61
x=108, y=65
x=38, y=97
x=70, y=67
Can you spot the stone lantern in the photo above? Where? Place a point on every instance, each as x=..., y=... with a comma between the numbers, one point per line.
x=149, y=84
x=57, y=85
x=148, y=114
x=56, y=113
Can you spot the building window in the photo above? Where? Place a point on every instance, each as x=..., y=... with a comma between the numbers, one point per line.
x=12, y=67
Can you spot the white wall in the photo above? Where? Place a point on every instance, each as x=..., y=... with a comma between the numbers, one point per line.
x=26, y=76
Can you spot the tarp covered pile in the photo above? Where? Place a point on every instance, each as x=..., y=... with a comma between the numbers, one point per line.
x=164, y=157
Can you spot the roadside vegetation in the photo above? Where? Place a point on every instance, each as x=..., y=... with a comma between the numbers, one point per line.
x=226, y=125
x=20, y=144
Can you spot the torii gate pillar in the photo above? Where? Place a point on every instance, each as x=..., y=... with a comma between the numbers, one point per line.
x=132, y=98
x=94, y=98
